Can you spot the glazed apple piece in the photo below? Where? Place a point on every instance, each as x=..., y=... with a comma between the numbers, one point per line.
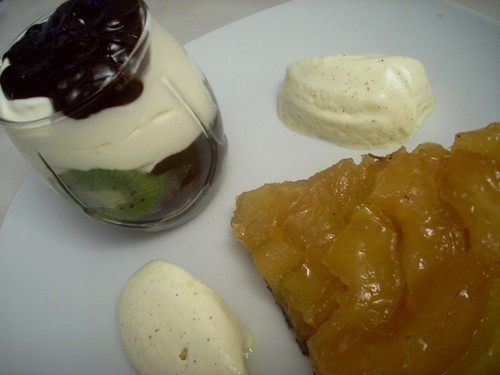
x=408, y=193
x=427, y=336
x=471, y=186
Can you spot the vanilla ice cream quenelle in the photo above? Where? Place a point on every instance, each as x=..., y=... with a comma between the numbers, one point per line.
x=109, y=109
x=356, y=101
x=172, y=323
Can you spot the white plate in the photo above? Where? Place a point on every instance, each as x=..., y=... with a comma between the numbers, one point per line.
x=60, y=273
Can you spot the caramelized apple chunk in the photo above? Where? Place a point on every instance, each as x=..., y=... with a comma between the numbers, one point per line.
x=391, y=265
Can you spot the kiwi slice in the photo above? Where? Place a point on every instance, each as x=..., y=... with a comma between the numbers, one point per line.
x=116, y=195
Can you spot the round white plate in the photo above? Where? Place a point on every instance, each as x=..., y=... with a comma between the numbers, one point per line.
x=60, y=273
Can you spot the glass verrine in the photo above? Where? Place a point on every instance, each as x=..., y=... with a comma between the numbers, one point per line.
x=133, y=136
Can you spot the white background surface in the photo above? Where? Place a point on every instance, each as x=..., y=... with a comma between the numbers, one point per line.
x=60, y=274
x=187, y=20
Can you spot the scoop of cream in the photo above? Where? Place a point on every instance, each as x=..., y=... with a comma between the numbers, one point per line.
x=172, y=323
x=357, y=101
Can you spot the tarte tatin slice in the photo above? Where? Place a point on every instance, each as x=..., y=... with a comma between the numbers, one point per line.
x=389, y=266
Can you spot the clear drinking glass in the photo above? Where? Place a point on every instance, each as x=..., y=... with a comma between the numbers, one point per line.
x=143, y=149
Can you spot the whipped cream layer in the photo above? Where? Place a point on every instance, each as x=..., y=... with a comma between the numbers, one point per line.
x=165, y=119
x=357, y=101
x=172, y=323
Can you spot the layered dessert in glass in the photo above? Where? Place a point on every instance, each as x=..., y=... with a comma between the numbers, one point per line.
x=111, y=111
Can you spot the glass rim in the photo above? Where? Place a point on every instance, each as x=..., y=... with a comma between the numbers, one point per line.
x=59, y=115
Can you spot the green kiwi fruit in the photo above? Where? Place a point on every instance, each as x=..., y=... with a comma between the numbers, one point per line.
x=117, y=195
